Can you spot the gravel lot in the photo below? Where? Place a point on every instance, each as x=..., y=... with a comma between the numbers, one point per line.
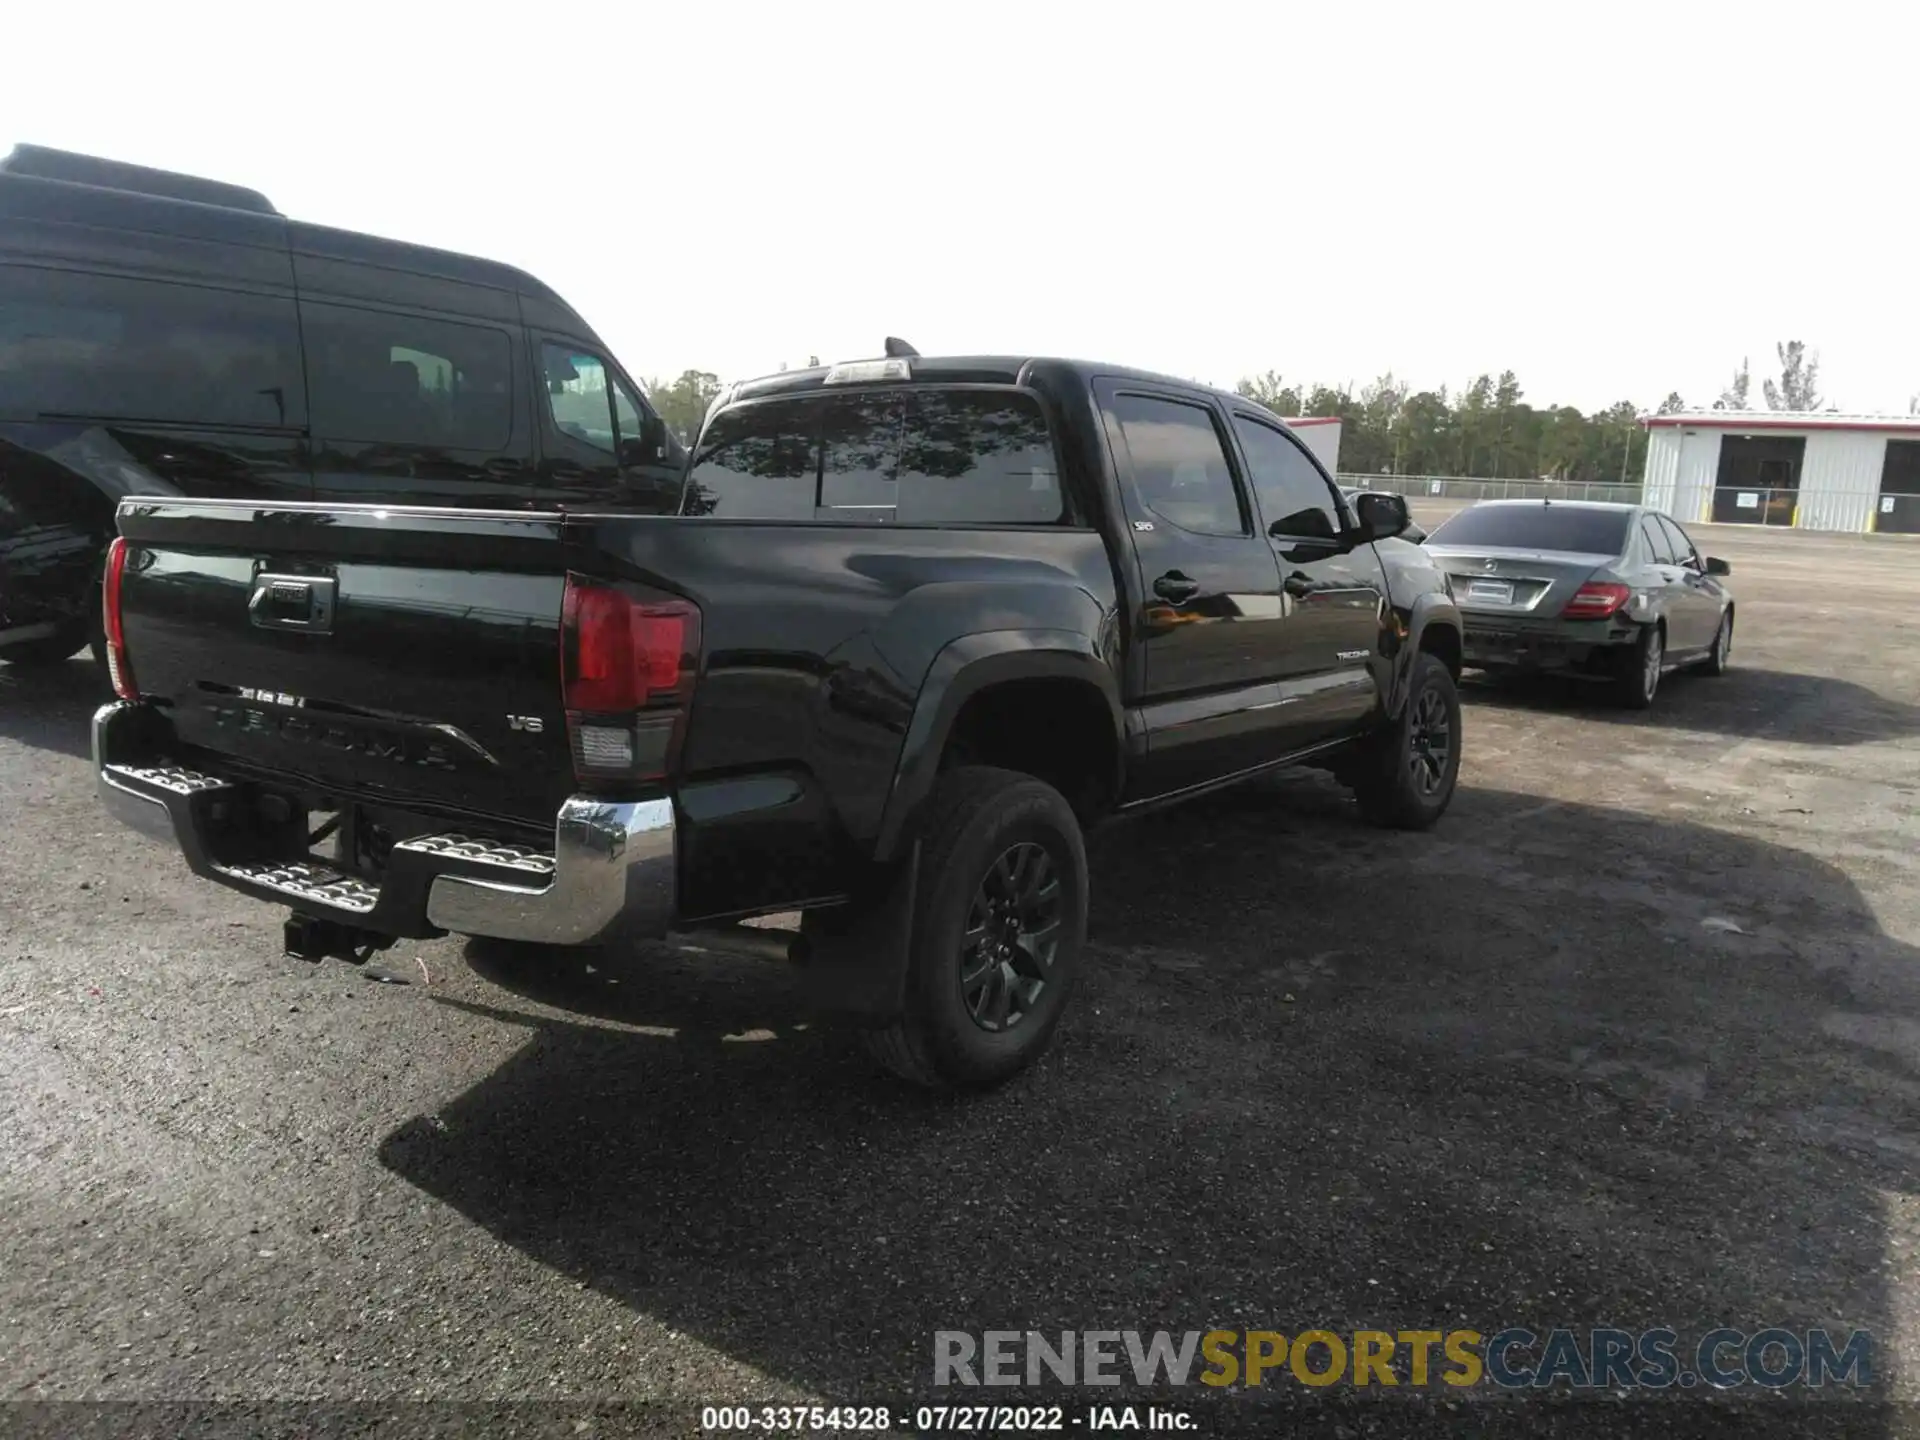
x=1318, y=1077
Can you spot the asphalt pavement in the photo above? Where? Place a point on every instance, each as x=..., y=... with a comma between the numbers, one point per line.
x=1632, y=1039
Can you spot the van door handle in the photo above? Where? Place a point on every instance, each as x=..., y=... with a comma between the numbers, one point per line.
x=1176, y=587
x=1298, y=586
x=504, y=467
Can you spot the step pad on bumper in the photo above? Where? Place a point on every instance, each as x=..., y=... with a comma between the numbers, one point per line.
x=316, y=882
x=312, y=881
x=176, y=779
x=523, y=860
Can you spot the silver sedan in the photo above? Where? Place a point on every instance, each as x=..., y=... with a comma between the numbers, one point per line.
x=1616, y=593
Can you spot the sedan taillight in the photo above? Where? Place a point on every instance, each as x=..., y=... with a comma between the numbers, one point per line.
x=119, y=667
x=1596, y=600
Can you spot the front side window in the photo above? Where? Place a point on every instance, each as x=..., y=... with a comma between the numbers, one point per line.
x=1294, y=500
x=579, y=396
x=627, y=412
x=1180, y=469
x=378, y=377
x=105, y=347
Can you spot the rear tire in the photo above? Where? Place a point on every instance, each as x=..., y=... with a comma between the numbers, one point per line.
x=999, y=923
x=1405, y=775
x=69, y=641
x=1719, y=659
x=1637, y=679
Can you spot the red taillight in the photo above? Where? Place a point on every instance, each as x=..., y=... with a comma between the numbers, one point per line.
x=627, y=663
x=119, y=667
x=1596, y=600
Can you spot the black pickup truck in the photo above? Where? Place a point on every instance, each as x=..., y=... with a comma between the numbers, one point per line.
x=917, y=623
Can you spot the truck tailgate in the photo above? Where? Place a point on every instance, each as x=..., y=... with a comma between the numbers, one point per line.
x=413, y=662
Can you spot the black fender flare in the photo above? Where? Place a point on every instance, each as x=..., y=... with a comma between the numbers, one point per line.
x=962, y=669
x=1434, y=607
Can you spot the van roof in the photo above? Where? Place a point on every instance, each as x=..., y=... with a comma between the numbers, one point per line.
x=42, y=162
x=39, y=182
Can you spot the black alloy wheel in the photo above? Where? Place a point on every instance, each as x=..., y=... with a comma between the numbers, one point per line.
x=1013, y=931
x=1429, y=742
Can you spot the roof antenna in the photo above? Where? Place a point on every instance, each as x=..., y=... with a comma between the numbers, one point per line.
x=897, y=348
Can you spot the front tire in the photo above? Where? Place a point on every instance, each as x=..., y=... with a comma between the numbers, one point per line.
x=1637, y=680
x=1719, y=659
x=1000, y=920
x=1407, y=773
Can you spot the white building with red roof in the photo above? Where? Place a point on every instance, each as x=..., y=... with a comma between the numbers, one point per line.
x=1817, y=471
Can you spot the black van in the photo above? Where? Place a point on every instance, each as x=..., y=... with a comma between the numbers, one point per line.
x=161, y=334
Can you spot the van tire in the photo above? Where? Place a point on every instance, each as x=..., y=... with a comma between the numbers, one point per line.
x=49, y=650
x=1000, y=853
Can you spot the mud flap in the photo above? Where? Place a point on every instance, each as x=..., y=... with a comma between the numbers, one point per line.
x=856, y=965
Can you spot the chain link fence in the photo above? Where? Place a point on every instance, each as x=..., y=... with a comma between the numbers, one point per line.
x=1831, y=512
x=1460, y=487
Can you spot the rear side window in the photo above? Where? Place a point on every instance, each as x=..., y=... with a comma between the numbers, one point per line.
x=1683, y=551
x=1659, y=547
x=1180, y=469
x=1537, y=527
x=383, y=378
x=105, y=347
x=917, y=457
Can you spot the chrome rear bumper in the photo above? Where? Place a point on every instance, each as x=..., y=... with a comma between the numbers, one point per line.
x=612, y=868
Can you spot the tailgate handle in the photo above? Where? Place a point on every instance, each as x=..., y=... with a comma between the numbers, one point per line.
x=293, y=602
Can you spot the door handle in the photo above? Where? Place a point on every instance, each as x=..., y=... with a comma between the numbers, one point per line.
x=1176, y=587
x=1298, y=586
x=504, y=468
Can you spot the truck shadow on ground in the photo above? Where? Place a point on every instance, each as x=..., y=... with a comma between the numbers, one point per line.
x=48, y=708
x=1742, y=704
x=1316, y=1076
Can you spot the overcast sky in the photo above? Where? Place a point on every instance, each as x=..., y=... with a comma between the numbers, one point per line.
x=1613, y=200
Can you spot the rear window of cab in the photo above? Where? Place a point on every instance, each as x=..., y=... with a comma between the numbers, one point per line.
x=928, y=456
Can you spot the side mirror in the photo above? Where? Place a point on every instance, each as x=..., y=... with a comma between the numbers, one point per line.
x=649, y=446
x=1717, y=566
x=1381, y=516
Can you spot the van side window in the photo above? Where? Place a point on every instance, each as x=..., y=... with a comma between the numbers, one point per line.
x=628, y=409
x=378, y=377
x=579, y=395
x=109, y=348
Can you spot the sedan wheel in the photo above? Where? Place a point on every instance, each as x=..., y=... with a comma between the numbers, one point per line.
x=1638, y=679
x=1721, y=655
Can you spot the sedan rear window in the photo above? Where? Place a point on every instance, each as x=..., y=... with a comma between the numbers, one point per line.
x=1537, y=527
x=906, y=457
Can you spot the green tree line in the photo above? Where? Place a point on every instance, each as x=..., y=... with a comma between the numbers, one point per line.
x=1486, y=428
